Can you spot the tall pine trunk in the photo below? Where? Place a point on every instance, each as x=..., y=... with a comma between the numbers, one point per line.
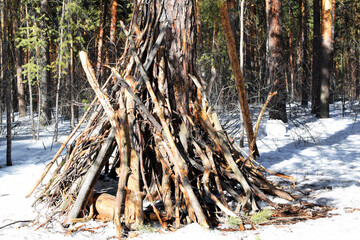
x=19, y=78
x=277, y=105
x=304, y=55
x=355, y=63
x=7, y=83
x=239, y=80
x=103, y=4
x=45, y=111
x=315, y=86
x=112, y=37
x=327, y=49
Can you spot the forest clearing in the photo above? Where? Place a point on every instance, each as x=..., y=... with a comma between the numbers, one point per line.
x=236, y=116
x=324, y=161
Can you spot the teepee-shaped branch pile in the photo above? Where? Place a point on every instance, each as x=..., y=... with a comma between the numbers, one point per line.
x=164, y=142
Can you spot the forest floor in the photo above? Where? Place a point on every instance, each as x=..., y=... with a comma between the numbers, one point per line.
x=323, y=155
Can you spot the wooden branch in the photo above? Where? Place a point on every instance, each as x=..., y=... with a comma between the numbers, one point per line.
x=179, y=162
x=121, y=135
x=60, y=150
x=124, y=170
x=92, y=176
x=222, y=147
x=205, y=181
x=12, y=223
x=239, y=80
x=251, y=151
x=138, y=101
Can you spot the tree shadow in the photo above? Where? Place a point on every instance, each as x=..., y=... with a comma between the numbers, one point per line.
x=330, y=162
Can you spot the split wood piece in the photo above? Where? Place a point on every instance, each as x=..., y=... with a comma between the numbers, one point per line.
x=205, y=181
x=151, y=200
x=63, y=145
x=216, y=177
x=92, y=175
x=269, y=187
x=271, y=172
x=119, y=122
x=262, y=196
x=145, y=112
x=134, y=214
x=104, y=208
x=222, y=147
x=123, y=140
x=179, y=161
x=239, y=80
x=166, y=170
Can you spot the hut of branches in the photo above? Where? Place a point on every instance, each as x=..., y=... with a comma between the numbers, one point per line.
x=150, y=129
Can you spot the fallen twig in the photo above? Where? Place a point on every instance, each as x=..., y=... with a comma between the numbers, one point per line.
x=20, y=221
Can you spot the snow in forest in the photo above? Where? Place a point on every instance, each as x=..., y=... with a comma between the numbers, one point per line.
x=323, y=155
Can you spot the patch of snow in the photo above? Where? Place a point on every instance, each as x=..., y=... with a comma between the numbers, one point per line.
x=323, y=155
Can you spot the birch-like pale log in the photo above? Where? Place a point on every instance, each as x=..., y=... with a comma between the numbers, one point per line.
x=120, y=135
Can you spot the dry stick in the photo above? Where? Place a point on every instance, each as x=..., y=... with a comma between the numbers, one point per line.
x=63, y=145
x=258, y=122
x=205, y=181
x=66, y=141
x=216, y=177
x=92, y=175
x=20, y=221
x=141, y=105
x=120, y=127
x=151, y=200
x=239, y=80
x=221, y=145
x=177, y=203
x=180, y=164
x=269, y=187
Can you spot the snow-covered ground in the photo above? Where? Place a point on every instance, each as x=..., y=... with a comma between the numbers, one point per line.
x=323, y=155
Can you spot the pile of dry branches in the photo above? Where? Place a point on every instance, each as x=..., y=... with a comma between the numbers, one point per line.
x=175, y=156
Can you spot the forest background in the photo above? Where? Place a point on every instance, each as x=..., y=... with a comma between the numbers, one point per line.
x=315, y=45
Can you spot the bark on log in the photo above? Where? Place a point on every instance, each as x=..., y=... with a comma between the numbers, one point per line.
x=88, y=185
x=239, y=80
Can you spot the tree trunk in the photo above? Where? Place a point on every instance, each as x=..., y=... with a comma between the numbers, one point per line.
x=112, y=37
x=327, y=49
x=19, y=78
x=275, y=63
x=239, y=81
x=7, y=83
x=291, y=59
x=315, y=89
x=29, y=80
x=304, y=55
x=73, y=108
x=60, y=50
x=355, y=63
x=103, y=4
x=45, y=111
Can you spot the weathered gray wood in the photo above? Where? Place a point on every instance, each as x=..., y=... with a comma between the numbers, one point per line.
x=91, y=177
